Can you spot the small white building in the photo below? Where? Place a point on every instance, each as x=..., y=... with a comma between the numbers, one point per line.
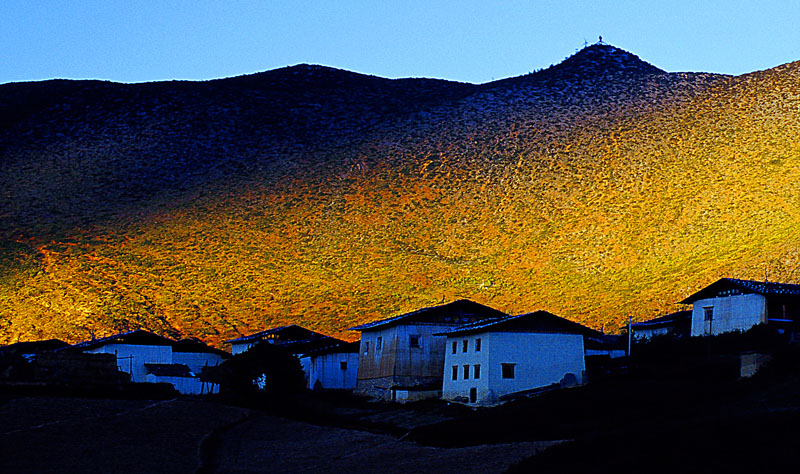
x=731, y=304
x=489, y=360
x=334, y=367
x=133, y=350
x=148, y=357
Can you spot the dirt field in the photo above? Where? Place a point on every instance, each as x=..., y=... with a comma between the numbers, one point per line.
x=73, y=435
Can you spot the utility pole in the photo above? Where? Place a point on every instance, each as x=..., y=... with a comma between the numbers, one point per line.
x=629, y=337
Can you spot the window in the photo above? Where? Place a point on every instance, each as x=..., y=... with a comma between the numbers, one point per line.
x=455, y=372
x=379, y=343
x=476, y=371
x=507, y=371
x=477, y=345
x=708, y=313
x=455, y=345
x=415, y=340
x=366, y=347
x=464, y=345
x=343, y=365
x=466, y=372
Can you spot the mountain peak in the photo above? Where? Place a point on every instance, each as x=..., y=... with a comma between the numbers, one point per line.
x=596, y=60
x=600, y=59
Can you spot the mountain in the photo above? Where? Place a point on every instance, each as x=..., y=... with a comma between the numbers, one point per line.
x=596, y=189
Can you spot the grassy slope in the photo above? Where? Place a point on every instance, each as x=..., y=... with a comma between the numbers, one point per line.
x=595, y=200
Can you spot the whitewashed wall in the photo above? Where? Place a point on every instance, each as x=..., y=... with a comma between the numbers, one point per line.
x=540, y=360
x=736, y=312
x=460, y=387
x=141, y=355
x=327, y=369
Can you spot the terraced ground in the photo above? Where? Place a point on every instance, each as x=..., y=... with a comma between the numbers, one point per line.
x=597, y=189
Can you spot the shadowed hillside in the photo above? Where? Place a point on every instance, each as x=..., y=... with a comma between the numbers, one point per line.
x=599, y=188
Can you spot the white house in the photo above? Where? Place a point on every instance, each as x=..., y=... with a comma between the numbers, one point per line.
x=489, y=360
x=402, y=358
x=148, y=357
x=678, y=323
x=133, y=350
x=334, y=367
x=731, y=304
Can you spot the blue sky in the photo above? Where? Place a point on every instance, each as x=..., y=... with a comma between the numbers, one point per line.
x=471, y=41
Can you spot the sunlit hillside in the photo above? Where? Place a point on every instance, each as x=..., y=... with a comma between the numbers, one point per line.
x=597, y=189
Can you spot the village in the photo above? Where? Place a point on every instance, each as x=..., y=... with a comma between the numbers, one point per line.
x=490, y=356
x=462, y=356
x=461, y=352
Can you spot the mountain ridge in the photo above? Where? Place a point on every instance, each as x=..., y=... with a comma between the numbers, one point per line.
x=219, y=208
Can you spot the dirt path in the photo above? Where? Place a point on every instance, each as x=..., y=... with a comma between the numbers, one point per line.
x=266, y=444
x=72, y=435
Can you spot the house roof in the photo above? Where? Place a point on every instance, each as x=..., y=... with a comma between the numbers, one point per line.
x=31, y=347
x=139, y=337
x=294, y=339
x=603, y=342
x=536, y=322
x=746, y=286
x=195, y=345
x=454, y=313
x=671, y=319
x=284, y=334
x=339, y=348
x=169, y=370
x=306, y=346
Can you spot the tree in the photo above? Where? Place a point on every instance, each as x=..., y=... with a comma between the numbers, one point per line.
x=263, y=369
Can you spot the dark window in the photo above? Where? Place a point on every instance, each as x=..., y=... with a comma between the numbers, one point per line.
x=455, y=372
x=343, y=365
x=508, y=371
x=415, y=340
x=455, y=345
x=379, y=344
x=366, y=347
x=708, y=313
x=464, y=345
x=477, y=345
x=476, y=371
x=466, y=372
